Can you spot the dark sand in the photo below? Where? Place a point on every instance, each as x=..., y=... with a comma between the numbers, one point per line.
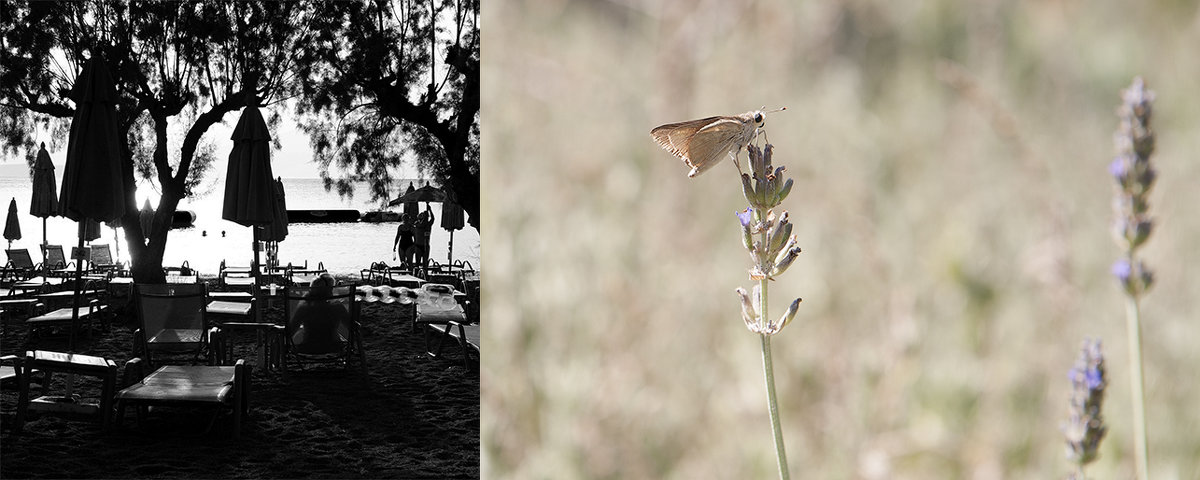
x=411, y=416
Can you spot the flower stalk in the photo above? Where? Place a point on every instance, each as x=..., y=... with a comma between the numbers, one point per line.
x=1134, y=177
x=772, y=252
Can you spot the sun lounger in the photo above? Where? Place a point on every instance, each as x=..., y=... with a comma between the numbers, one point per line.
x=20, y=265
x=217, y=387
x=60, y=318
x=102, y=262
x=466, y=335
x=55, y=263
x=303, y=276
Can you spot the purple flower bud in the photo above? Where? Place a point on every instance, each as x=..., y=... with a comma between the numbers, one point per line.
x=1122, y=270
x=1119, y=169
x=746, y=217
x=1085, y=422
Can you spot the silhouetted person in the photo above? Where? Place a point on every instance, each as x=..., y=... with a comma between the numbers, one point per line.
x=424, y=227
x=405, y=243
x=319, y=326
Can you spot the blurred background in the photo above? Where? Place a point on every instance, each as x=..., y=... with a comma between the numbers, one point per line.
x=952, y=199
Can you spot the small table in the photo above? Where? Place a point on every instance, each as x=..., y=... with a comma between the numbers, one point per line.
x=243, y=297
x=405, y=280
x=222, y=307
x=237, y=282
x=268, y=344
x=70, y=363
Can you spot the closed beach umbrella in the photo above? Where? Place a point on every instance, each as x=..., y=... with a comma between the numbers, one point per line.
x=146, y=218
x=115, y=224
x=249, y=182
x=410, y=206
x=452, y=219
x=44, y=203
x=92, y=184
x=91, y=230
x=277, y=230
x=12, y=226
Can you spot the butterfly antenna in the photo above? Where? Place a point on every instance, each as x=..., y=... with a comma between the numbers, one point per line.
x=780, y=109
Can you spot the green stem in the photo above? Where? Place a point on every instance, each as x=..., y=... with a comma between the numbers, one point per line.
x=1137, y=386
x=773, y=407
x=769, y=375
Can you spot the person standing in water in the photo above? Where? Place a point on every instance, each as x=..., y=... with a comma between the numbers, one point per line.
x=405, y=241
x=424, y=227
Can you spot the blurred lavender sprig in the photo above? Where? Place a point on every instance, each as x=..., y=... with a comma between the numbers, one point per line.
x=1085, y=426
x=1134, y=177
x=772, y=248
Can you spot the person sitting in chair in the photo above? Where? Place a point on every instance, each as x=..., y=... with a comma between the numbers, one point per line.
x=319, y=326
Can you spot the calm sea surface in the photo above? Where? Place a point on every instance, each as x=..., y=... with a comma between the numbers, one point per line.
x=344, y=248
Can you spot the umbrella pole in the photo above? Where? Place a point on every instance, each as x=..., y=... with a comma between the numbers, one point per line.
x=78, y=284
x=254, y=271
x=450, y=254
x=45, y=264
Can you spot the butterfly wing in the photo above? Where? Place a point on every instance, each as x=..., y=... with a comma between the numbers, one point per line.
x=713, y=142
x=674, y=137
x=702, y=143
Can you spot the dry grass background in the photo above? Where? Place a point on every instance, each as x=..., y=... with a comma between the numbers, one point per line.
x=952, y=200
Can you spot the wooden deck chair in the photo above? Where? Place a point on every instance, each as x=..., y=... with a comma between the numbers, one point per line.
x=322, y=326
x=173, y=320
x=217, y=387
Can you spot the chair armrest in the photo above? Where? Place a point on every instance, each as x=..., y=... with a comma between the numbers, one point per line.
x=216, y=340
x=139, y=342
x=134, y=372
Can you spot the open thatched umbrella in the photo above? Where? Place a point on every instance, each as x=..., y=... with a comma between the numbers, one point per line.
x=249, y=182
x=427, y=193
x=44, y=203
x=12, y=226
x=92, y=188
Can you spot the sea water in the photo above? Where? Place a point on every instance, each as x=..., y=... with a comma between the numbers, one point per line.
x=343, y=248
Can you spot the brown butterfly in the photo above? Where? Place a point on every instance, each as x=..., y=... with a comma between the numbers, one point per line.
x=703, y=143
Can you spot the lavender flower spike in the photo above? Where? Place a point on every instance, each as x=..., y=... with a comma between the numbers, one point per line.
x=1085, y=425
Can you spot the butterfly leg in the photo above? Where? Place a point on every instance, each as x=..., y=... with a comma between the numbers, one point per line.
x=734, y=154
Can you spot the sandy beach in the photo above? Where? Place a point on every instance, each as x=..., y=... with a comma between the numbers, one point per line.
x=411, y=416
